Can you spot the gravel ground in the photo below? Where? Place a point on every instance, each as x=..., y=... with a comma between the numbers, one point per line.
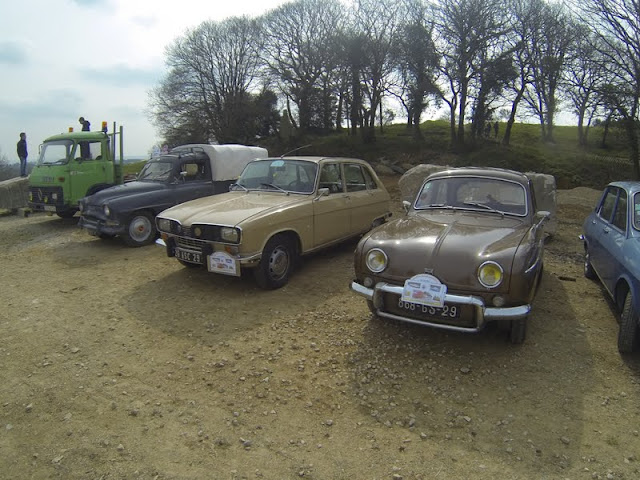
x=120, y=363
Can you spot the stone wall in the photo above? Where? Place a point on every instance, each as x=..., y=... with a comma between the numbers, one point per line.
x=14, y=193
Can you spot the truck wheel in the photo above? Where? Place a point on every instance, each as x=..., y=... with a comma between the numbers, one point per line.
x=628, y=333
x=66, y=213
x=141, y=230
x=276, y=264
x=518, y=331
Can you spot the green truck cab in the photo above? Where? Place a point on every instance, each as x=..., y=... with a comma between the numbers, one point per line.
x=73, y=165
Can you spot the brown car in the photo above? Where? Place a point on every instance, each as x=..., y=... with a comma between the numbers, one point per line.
x=469, y=251
x=279, y=209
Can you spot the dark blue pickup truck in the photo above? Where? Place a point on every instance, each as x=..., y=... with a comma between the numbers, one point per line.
x=185, y=173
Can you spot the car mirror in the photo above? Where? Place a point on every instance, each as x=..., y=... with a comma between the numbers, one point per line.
x=406, y=205
x=543, y=215
x=323, y=192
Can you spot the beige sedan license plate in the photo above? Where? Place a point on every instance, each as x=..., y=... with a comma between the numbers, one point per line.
x=188, y=256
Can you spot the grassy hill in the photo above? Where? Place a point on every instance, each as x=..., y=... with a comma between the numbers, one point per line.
x=572, y=166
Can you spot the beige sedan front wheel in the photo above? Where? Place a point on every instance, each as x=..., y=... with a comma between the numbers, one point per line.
x=276, y=264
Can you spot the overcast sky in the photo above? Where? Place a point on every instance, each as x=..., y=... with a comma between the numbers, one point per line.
x=62, y=59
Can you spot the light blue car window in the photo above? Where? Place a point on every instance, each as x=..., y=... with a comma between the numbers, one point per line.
x=608, y=204
x=620, y=215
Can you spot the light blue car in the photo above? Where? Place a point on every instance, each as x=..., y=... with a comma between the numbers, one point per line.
x=612, y=254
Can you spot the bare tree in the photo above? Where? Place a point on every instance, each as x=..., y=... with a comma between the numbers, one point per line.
x=526, y=15
x=207, y=91
x=583, y=80
x=300, y=42
x=617, y=25
x=549, y=45
x=469, y=36
x=417, y=63
x=375, y=27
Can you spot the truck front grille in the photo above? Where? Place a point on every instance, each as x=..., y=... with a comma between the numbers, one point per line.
x=46, y=195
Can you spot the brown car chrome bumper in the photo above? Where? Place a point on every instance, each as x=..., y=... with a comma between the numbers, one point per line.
x=483, y=314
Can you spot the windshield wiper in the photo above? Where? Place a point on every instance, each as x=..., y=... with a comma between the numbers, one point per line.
x=485, y=206
x=238, y=185
x=438, y=205
x=271, y=185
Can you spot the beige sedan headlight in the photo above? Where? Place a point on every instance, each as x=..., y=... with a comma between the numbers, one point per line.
x=164, y=225
x=490, y=274
x=229, y=234
x=376, y=260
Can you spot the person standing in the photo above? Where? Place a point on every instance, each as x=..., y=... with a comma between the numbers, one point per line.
x=86, y=126
x=22, y=153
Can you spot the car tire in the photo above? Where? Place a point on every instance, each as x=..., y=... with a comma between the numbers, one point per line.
x=141, y=230
x=628, y=333
x=276, y=264
x=589, y=272
x=518, y=331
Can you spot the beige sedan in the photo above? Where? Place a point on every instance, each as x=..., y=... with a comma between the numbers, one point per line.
x=279, y=209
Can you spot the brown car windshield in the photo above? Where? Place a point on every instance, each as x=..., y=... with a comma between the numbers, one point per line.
x=279, y=174
x=473, y=193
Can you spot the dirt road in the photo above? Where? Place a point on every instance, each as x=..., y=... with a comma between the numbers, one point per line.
x=120, y=363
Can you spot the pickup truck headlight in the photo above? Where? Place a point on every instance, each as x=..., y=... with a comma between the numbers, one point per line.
x=107, y=210
x=164, y=225
x=230, y=234
x=376, y=260
x=490, y=274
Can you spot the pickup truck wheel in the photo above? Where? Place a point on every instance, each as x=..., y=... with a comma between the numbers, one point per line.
x=67, y=213
x=518, y=331
x=276, y=264
x=628, y=333
x=589, y=272
x=141, y=230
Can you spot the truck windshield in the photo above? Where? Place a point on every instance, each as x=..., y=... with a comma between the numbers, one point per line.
x=55, y=153
x=156, y=172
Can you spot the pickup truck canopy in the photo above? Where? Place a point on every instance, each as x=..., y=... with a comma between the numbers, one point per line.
x=227, y=161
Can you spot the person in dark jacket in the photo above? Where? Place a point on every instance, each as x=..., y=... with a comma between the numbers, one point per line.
x=22, y=153
x=84, y=146
x=86, y=125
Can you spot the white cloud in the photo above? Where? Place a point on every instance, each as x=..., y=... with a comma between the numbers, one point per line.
x=62, y=59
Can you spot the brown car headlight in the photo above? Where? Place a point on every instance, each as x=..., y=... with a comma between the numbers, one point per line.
x=376, y=260
x=490, y=274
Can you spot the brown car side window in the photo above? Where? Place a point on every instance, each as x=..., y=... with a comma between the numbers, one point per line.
x=620, y=215
x=331, y=178
x=608, y=204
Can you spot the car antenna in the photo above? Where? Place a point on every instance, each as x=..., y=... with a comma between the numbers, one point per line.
x=295, y=150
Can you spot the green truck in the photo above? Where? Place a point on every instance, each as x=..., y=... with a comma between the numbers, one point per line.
x=73, y=165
